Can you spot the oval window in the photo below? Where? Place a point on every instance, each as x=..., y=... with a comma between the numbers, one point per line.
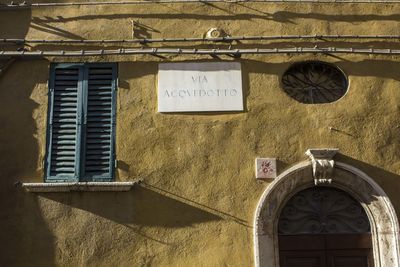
x=314, y=82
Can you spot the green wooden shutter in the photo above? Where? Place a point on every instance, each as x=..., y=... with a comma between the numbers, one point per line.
x=99, y=122
x=64, y=122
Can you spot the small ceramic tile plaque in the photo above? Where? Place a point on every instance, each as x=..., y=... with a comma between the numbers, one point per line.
x=265, y=168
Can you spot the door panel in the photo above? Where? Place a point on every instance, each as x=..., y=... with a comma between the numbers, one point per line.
x=331, y=250
x=301, y=242
x=348, y=241
x=349, y=258
x=303, y=259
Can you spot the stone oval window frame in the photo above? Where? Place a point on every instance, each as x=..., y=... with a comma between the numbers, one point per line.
x=380, y=212
x=317, y=99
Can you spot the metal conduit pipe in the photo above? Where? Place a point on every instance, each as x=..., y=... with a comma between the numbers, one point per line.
x=191, y=39
x=29, y=5
x=180, y=51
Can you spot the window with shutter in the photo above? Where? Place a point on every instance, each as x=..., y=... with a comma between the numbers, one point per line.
x=81, y=122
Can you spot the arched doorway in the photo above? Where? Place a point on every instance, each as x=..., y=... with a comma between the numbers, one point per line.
x=324, y=227
x=384, y=226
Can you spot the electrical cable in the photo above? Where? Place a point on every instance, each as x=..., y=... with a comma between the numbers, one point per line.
x=180, y=51
x=193, y=39
x=31, y=5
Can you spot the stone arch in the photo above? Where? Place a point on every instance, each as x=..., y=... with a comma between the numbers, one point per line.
x=381, y=214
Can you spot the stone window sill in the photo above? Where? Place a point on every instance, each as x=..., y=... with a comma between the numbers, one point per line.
x=78, y=186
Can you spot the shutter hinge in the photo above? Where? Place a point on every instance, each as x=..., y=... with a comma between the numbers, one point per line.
x=116, y=163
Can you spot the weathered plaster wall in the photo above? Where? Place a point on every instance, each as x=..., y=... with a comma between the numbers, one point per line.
x=196, y=205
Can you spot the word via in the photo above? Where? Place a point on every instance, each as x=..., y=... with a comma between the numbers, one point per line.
x=199, y=79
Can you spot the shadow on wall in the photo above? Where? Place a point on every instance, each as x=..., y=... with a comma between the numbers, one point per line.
x=8, y=27
x=141, y=207
x=13, y=24
x=26, y=238
x=280, y=16
x=385, y=69
x=39, y=25
x=368, y=67
x=388, y=181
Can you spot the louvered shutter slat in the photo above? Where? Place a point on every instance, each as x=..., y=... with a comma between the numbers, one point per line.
x=99, y=104
x=99, y=119
x=98, y=136
x=96, y=83
x=65, y=93
x=67, y=131
x=63, y=153
x=65, y=89
x=100, y=70
x=98, y=152
x=99, y=92
x=65, y=171
x=64, y=129
x=64, y=115
x=102, y=77
x=63, y=110
x=64, y=164
x=100, y=88
x=97, y=157
x=58, y=125
x=64, y=158
x=64, y=136
x=98, y=130
x=101, y=114
x=65, y=83
x=66, y=77
x=64, y=142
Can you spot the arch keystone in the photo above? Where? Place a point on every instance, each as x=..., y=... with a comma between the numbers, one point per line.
x=322, y=164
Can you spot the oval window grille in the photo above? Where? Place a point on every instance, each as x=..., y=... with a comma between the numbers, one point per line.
x=322, y=210
x=314, y=82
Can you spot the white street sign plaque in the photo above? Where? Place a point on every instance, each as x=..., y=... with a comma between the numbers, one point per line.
x=202, y=86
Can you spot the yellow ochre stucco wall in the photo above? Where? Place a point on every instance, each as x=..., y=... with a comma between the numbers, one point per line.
x=196, y=204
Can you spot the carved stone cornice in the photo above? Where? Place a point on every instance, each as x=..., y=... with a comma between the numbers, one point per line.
x=322, y=164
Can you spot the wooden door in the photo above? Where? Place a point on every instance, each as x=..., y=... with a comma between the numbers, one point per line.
x=342, y=250
x=348, y=258
x=324, y=227
x=349, y=250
